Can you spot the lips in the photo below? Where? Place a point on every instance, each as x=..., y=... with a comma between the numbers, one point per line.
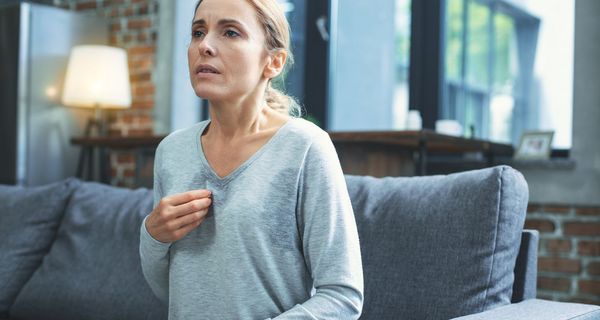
x=206, y=68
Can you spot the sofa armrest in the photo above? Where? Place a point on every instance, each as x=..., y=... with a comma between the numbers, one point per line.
x=534, y=309
x=525, y=283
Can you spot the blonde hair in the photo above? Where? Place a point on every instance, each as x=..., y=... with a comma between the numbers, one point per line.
x=277, y=37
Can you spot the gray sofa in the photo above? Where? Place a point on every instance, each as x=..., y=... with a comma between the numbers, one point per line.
x=436, y=247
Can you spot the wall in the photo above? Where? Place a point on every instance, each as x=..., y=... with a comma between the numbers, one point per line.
x=569, y=252
x=134, y=27
x=565, y=203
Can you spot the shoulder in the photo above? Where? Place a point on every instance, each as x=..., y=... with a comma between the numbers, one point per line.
x=307, y=131
x=182, y=138
x=316, y=142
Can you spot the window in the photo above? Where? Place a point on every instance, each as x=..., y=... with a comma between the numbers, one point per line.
x=490, y=84
x=402, y=22
x=369, y=63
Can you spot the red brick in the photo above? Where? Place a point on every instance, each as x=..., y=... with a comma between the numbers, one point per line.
x=125, y=158
x=142, y=104
x=533, y=207
x=558, y=245
x=555, y=208
x=115, y=27
x=128, y=118
x=113, y=40
x=589, y=286
x=142, y=37
x=588, y=211
x=554, y=284
x=140, y=77
x=540, y=224
x=554, y=264
x=86, y=5
x=114, y=12
x=139, y=23
x=143, y=64
x=144, y=120
x=142, y=90
x=588, y=248
x=143, y=9
x=128, y=12
x=128, y=173
x=140, y=50
x=593, y=268
x=582, y=228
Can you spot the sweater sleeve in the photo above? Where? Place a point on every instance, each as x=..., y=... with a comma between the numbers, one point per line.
x=329, y=238
x=154, y=254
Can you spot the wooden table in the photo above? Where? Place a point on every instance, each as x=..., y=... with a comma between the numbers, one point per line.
x=405, y=153
x=98, y=147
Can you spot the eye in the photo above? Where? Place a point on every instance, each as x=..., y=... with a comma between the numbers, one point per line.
x=231, y=34
x=197, y=34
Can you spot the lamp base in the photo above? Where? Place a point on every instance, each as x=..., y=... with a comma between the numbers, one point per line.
x=96, y=122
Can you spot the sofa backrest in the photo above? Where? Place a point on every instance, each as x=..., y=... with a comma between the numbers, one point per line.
x=438, y=247
x=92, y=270
x=433, y=247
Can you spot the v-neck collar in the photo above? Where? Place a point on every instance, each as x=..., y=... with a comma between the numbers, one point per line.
x=226, y=179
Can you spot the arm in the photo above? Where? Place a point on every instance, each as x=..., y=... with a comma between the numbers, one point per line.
x=154, y=254
x=172, y=218
x=329, y=238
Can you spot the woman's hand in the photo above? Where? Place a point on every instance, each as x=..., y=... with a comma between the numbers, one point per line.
x=176, y=215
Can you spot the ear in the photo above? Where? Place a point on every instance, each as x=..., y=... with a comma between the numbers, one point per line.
x=275, y=64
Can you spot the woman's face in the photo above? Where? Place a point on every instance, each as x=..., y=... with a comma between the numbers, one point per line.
x=227, y=54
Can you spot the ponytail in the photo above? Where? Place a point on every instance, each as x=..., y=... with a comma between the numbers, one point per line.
x=281, y=102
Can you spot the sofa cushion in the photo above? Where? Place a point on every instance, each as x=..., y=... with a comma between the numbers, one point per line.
x=29, y=219
x=438, y=247
x=93, y=268
x=537, y=309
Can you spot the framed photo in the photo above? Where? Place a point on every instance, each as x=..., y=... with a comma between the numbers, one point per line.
x=535, y=145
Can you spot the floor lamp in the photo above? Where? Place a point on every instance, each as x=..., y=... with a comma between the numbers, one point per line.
x=97, y=77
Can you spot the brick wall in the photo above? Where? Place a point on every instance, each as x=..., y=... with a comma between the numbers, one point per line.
x=134, y=27
x=569, y=252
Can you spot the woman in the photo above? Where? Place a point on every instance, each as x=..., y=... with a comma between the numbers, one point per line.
x=252, y=218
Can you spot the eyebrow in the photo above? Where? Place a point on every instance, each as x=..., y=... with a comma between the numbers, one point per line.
x=221, y=22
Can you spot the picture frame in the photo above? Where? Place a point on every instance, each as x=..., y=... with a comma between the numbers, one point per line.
x=535, y=145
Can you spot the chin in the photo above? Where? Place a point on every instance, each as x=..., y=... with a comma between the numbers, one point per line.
x=207, y=93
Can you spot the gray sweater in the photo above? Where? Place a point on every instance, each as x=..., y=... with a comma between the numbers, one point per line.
x=280, y=239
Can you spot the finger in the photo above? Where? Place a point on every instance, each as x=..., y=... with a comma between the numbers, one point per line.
x=184, y=197
x=190, y=218
x=181, y=232
x=192, y=206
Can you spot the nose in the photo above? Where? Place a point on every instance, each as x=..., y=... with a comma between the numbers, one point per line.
x=206, y=48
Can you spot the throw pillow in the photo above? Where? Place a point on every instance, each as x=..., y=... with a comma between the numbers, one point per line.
x=438, y=247
x=29, y=219
x=93, y=269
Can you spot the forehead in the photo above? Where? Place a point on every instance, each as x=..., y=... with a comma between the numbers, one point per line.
x=214, y=10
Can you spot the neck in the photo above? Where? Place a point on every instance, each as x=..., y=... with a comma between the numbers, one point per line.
x=236, y=120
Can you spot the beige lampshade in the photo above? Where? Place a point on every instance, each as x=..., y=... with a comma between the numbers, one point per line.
x=97, y=76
